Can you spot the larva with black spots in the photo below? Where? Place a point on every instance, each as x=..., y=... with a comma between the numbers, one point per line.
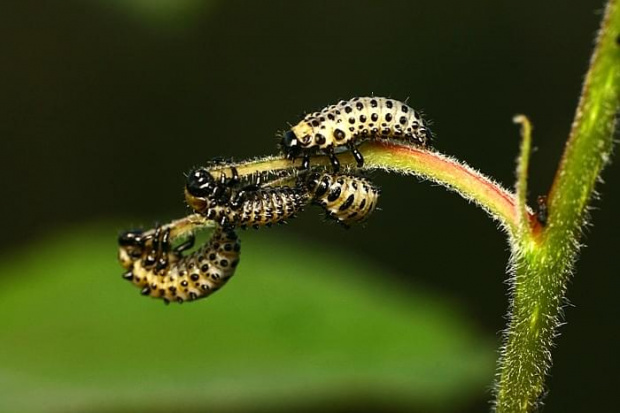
x=251, y=205
x=347, y=199
x=348, y=123
x=161, y=271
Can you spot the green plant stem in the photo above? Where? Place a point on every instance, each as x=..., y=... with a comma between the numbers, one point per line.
x=543, y=261
x=522, y=169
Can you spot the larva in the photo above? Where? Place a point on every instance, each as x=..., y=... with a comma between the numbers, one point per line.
x=345, y=198
x=231, y=205
x=347, y=123
x=164, y=272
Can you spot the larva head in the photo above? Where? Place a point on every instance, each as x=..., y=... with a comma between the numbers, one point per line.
x=131, y=247
x=290, y=144
x=425, y=136
x=199, y=187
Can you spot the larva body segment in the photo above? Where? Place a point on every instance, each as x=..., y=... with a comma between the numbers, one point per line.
x=350, y=122
x=347, y=199
x=247, y=206
x=162, y=272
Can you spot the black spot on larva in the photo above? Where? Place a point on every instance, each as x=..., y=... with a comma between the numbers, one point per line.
x=211, y=256
x=339, y=134
x=319, y=139
x=374, y=117
x=404, y=108
x=351, y=128
x=334, y=194
x=388, y=117
x=184, y=283
x=224, y=263
x=172, y=289
x=363, y=118
x=359, y=105
x=237, y=247
x=351, y=120
x=348, y=109
x=315, y=123
x=389, y=104
x=234, y=263
x=194, y=277
x=373, y=103
x=228, y=247
x=331, y=116
x=403, y=120
x=193, y=296
x=205, y=267
x=363, y=203
x=205, y=287
x=347, y=203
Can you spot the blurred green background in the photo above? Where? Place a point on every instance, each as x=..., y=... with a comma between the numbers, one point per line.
x=106, y=104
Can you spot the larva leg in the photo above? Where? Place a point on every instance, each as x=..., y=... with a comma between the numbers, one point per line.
x=151, y=257
x=333, y=159
x=357, y=155
x=305, y=163
x=164, y=250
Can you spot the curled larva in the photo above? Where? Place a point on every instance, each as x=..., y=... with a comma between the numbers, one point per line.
x=347, y=199
x=347, y=123
x=231, y=203
x=161, y=271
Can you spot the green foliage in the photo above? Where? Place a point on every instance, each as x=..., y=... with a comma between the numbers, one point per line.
x=296, y=324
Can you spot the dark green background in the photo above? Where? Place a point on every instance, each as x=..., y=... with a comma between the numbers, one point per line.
x=105, y=105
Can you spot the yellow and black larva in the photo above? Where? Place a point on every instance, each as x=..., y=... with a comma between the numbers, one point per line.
x=231, y=204
x=345, y=198
x=161, y=271
x=349, y=122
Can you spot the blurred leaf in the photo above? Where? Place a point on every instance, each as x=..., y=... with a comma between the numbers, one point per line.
x=295, y=325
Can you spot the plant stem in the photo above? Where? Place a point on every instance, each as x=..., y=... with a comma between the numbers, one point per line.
x=543, y=263
x=400, y=157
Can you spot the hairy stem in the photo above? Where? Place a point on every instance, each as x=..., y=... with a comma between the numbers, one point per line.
x=543, y=262
x=399, y=157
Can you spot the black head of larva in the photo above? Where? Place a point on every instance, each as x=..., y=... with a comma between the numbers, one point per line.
x=200, y=183
x=132, y=245
x=131, y=239
x=290, y=144
x=427, y=135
